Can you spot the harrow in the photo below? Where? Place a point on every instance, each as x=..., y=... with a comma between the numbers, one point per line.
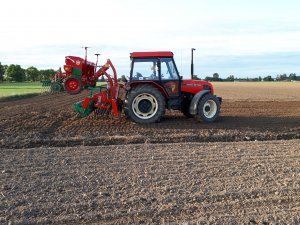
x=46, y=86
x=102, y=100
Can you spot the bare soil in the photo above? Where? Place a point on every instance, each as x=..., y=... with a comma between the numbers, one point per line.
x=56, y=168
x=51, y=121
x=186, y=183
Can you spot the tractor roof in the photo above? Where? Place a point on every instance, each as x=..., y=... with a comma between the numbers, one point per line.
x=150, y=54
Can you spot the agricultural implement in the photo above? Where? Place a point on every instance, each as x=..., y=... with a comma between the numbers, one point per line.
x=79, y=73
x=154, y=86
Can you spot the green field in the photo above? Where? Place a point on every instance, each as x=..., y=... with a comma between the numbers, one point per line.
x=25, y=89
x=19, y=89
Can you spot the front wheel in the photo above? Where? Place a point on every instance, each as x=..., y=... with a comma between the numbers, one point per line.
x=208, y=109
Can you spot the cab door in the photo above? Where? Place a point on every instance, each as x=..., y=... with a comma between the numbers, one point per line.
x=169, y=76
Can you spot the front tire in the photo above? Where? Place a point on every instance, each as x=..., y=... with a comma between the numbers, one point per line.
x=208, y=109
x=146, y=104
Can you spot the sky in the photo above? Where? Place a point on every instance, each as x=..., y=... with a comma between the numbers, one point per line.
x=232, y=37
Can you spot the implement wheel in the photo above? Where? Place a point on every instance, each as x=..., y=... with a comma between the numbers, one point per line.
x=56, y=87
x=146, y=104
x=73, y=86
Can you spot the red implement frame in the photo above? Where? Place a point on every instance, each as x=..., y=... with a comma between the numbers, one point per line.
x=111, y=95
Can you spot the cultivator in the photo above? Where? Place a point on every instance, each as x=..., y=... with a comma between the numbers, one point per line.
x=106, y=99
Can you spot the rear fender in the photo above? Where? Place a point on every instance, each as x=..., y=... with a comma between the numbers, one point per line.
x=195, y=101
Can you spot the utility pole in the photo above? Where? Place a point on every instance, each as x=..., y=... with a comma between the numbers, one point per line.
x=192, y=63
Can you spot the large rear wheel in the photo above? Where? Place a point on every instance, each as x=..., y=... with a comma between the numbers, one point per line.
x=208, y=109
x=146, y=104
x=73, y=85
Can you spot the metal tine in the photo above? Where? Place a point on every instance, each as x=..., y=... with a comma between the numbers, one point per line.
x=100, y=113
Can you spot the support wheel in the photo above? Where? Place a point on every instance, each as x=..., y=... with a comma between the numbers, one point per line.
x=208, y=109
x=56, y=87
x=73, y=85
x=146, y=104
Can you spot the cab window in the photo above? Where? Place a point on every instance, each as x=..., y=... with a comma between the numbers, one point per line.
x=145, y=69
x=168, y=69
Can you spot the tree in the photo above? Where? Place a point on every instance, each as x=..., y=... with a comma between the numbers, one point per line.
x=216, y=76
x=46, y=74
x=15, y=73
x=268, y=78
x=195, y=77
x=292, y=76
x=230, y=78
x=1, y=72
x=32, y=74
x=207, y=78
x=281, y=77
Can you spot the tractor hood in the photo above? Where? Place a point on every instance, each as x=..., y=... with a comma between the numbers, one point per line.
x=194, y=86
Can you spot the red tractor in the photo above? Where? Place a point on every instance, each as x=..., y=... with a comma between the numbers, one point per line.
x=154, y=86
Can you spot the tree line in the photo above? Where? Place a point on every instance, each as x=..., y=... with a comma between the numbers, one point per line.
x=15, y=73
x=279, y=77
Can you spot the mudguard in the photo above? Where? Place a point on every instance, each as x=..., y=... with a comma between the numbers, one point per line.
x=195, y=101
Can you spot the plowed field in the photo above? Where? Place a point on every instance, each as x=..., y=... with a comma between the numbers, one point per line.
x=244, y=168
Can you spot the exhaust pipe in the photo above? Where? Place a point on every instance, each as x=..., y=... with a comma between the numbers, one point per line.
x=192, y=63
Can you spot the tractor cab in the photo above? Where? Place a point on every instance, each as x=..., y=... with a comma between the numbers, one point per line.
x=159, y=70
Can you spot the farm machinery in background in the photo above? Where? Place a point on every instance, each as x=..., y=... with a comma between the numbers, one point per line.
x=79, y=73
x=154, y=85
